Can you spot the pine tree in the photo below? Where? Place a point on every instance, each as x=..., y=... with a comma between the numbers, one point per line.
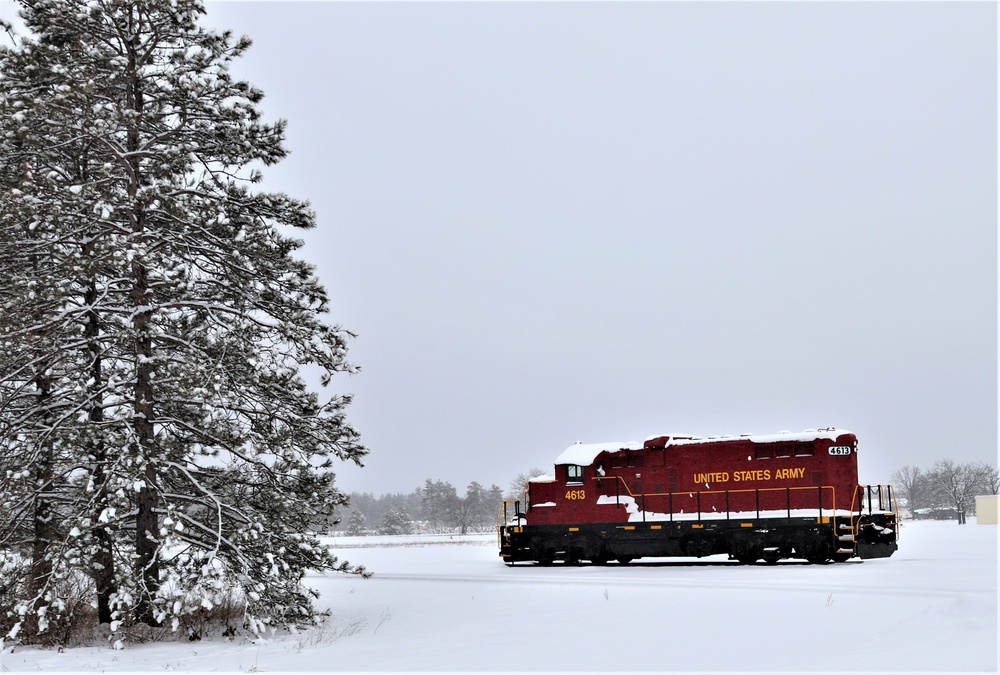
x=157, y=322
x=396, y=522
x=356, y=523
x=440, y=504
x=41, y=344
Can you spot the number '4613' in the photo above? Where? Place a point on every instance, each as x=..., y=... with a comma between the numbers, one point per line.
x=574, y=495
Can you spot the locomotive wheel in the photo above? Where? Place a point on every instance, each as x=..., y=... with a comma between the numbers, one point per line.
x=745, y=552
x=842, y=557
x=624, y=559
x=771, y=556
x=600, y=559
x=817, y=553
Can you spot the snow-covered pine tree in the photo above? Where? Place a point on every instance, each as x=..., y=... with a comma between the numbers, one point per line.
x=355, y=523
x=44, y=234
x=396, y=522
x=195, y=455
x=440, y=504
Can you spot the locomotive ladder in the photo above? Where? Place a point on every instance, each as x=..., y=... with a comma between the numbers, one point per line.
x=509, y=519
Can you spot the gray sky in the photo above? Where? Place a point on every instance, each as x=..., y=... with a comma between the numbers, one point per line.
x=596, y=221
x=604, y=221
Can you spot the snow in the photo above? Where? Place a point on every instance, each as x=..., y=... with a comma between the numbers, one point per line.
x=544, y=478
x=637, y=515
x=584, y=454
x=440, y=603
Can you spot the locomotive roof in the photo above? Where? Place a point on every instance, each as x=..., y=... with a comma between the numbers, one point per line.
x=585, y=453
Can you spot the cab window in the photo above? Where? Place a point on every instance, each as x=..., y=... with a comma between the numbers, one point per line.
x=574, y=473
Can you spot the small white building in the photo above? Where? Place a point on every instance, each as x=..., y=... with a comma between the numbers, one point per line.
x=988, y=509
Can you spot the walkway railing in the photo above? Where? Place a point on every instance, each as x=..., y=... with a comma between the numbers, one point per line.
x=742, y=501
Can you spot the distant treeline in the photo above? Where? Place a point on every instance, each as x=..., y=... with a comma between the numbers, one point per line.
x=946, y=488
x=435, y=507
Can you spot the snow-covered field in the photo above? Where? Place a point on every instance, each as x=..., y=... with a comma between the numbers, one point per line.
x=441, y=603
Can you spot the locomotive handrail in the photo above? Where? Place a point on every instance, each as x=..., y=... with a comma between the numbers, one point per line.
x=885, y=494
x=669, y=495
x=503, y=519
x=886, y=499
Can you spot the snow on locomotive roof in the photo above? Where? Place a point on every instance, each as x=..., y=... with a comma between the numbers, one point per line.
x=584, y=454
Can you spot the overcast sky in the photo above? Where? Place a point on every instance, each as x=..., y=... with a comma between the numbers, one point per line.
x=605, y=221
x=597, y=221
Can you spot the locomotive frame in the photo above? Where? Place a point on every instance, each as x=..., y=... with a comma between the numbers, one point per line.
x=751, y=497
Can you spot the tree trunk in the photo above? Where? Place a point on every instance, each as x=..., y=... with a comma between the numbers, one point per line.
x=104, y=564
x=146, y=531
x=147, y=522
x=44, y=520
x=146, y=548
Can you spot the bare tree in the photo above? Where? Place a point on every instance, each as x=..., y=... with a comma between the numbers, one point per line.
x=469, y=508
x=990, y=478
x=478, y=509
x=911, y=484
x=957, y=484
x=517, y=485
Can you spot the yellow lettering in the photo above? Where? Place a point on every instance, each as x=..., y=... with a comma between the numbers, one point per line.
x=713, y=477
x=745, y=476
x=758, y=474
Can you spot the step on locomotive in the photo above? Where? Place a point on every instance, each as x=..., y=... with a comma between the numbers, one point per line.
x=751, y=497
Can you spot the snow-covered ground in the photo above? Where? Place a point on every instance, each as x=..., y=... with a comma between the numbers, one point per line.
x=441, y=603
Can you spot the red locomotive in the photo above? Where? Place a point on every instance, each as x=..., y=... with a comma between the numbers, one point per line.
x=752, y=497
